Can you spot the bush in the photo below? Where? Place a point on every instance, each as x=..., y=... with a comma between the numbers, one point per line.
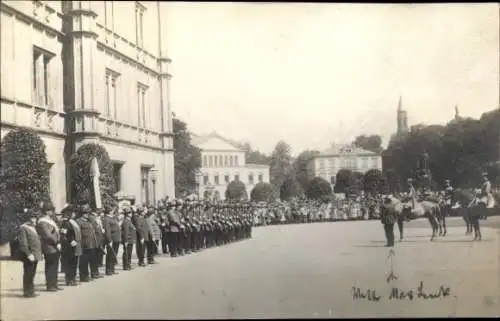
x=24, y=180
x=344, y=181
x=375, y=182
x=263, y=192
x=318, y=189
x=82, y=181
x=236, y=191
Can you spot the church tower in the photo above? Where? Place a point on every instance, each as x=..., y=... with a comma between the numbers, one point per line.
x=402, y=119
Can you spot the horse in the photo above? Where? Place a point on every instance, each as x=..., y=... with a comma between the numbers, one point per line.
x=476, y=210
x=424, y=208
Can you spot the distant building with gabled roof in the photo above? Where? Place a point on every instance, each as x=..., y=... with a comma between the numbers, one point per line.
x=329, y=162
x=223, y=160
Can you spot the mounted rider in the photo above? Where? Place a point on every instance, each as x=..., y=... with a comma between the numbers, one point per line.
x=448, y=193
x=412, y=194
x=486, y=196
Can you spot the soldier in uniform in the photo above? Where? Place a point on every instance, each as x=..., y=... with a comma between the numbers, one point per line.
x=51, y=246
x=154, y=235
x=71, y=244
x=89, y=241
x=142, y=230
x=129, y=238
x=30, y=248
x=98, y=250
x=112, y=237
x=174, y=224
x=388, y=218
x=164, y=228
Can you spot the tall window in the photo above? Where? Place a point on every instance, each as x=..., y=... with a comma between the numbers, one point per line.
x=226, y=178
x=230, y=161
x=216, y=179
x=145, y=184
x=205, y=162
x=216, y=161
x=250, y=179
x=261, y=178
x=235, y=160
x=226, y=161
x=117, y=176
x=236, y=177
x=141, y=102
x=139, y=24
x=205, y=180
x=221, y=161
x=210, y=161
x=111, y=95
x=41, y=77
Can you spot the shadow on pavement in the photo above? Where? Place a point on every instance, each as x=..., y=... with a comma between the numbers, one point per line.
x=464, y=241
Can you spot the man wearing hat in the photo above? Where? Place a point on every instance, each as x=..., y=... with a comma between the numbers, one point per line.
x=98, y=254
x=388, y=218
x=142, y=230
x=174, y=225
x=30, y=248
x=89, y=241
x=154, y=234
x=51, y=246
x=129, y=238
x=112, y=238
x=71, y=243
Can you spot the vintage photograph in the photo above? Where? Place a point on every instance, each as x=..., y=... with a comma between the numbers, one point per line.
x=249, y=160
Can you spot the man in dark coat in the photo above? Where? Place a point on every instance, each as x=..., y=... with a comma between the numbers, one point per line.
x=129, y=238
x=112, y=238
x=154, y=235
x=174, y=224
x=388, y=218
x=142, y=230
x=30, y=249
x=95, y=262
x=89, y=241
x=51, y=246
x=71, y=243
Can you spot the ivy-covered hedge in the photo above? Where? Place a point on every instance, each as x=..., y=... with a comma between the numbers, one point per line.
x=82, y=181
x=24, y=179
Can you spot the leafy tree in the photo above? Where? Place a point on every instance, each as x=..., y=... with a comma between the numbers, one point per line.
x=24, y=181
x=236, y=191
x=263, y=192
x=281, y=164
x=300, y=164
x=344, y=181
x=187, y=158
x=82, y=185
x=357, y=186
x=375, y=182
x=318, y=189
x=372, y=143
x=459, y=151
x=254, y=156
x=393, y=181
x=290, y=188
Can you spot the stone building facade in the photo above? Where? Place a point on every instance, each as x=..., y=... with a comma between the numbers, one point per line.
x=223, y=162
x=91, y=71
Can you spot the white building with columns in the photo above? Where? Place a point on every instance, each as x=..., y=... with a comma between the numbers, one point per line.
x=223, y=162
x=330, y=161
x=91, y=71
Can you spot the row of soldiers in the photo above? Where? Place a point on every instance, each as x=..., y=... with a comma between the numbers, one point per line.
x=81, y=239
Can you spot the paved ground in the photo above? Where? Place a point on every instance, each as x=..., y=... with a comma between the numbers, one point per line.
x=283, y=272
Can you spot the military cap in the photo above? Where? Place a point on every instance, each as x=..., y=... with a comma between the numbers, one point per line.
x=485, y=174
x=46, y=206
x=446, y=181
x=67, y=208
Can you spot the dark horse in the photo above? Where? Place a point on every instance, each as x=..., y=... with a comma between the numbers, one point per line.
x=424, y=208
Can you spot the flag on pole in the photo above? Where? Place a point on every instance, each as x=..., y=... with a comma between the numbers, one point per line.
x=94, y=172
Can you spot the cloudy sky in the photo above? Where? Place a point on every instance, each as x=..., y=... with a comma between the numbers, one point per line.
x=313, y=74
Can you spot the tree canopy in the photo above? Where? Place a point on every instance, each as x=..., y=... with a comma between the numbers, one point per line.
x=281, y=164
x=187, y=158
x=263, y=192
x=372, y=143
x=236, y=191
x=318, y=189
x=459, y=151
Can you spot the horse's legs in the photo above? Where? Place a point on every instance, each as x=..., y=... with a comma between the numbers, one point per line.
x=443, y=217
x=434, y=226
x=400, y=222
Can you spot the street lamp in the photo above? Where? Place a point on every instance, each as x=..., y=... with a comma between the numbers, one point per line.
x=154, y=176
x=198, y=176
